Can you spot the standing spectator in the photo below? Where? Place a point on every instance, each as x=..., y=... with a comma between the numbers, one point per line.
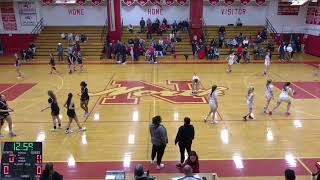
x=118, y=50
x=194, y=47
x=246, y=55
x=151, y=54
x=123, y=53
x=184, y=138
x=216, y=53
x=50, y=174
x=264, y=34
x=83, y=37
x=192, y=161
x=142, y=25
x=282, y=50
x=239, y=53
x=163, y=28
x=245, y=42
x=149, y=32
x=221, y=40
x=149, y=22
x=289, y=50
x=33, y=48
x=211, y=53
x=289, y=174
x=77, y=38
x=159, y=140
x=131, y=52
x=130, y=28
x=164, y=21
x=187, y=170
x=159, y=50
x=175, y=26
x=60, y=52
x=70, y=38
x=63, y=36
x=161, y=41
x=222, y=30
x=238, y=22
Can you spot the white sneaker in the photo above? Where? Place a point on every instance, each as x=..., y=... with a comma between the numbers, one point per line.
x=152, y=161
x=59, y=127
x=160, y=166
x=68, y=131
x=12, y=134
x=214, y=122
x=82, y=129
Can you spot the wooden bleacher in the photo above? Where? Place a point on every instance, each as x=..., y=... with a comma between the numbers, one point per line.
x=232, y=31
x=183, y=47
x=50, y=36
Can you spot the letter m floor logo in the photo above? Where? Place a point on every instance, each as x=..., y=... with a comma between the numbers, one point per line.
x=130, y=92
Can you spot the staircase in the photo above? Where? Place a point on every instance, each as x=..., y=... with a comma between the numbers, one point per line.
x=182, y=48
x=49, y=37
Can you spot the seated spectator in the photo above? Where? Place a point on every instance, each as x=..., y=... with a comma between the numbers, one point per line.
x=256, y=52
x=50, y=174
x=30, y=53
x=245, y=42
x=239, y=53
x=130, y=41
x=139, y=173
x=210, y=53
x=83, y=37
x=164, y=21
x=141, y=41
x=213, y=43
x=246, y=55
x=216, y=53
x=232, y=43
x=60, y=52
x=264, y=34
x=33, y=48
x=130, y=28
x=70, y=38
x=77, y=38
x=141, y=49
x=161, y=41
x=187, y=170
x=262, y=53
x=175, y=26
x=239, y=38
x=259, y=39
x=222, y=30
x=289, y=50
x=221, y=40
x=142, y=25
x=238, y=22
x=63, y=36
x=289, y=174
x=172, y=36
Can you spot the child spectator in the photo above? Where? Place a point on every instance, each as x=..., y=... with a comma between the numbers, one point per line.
x=216, y=53
x=192, y=161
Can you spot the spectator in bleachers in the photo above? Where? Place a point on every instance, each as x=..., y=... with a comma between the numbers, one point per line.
x=216, y=53
x=151, y=55
x=63, y=36
x=130, y=41
x=123, y=53
x=245, y=42
x=149, y=32
x=50, y=174
x=175, y=26
x=222, y=30
x=239, y=53
x=163, y=28
x=282, y=50
x=290, y=52
x=60, y=52
x=164, y=21
x=194, y=45
x=83, y=37
x=33, y=48
x=221, y=40
x=187, y=170
x=264, y=34
x=184, y=139
x=256, y=52
x=130, y=28
x=149, y=22
x=185, y=25
x=77, y=38
x=139, y=173
x=259, y=39
x=211, y=53
x=70, y=38
x=232, y=43
x=171, y=36
x=159, y=140
x=246, y=55
x=30, y=54
x=238, y=22
x=118, y=50
x=178, y=36
x=159, y=50
x=289, y=174
x=142, y=25
x=239, y=38
x=78, y=48
x=213, y=43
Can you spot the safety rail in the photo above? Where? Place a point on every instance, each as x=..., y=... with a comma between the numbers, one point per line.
x=103, y=36
x=270, y=27
x=38, y=27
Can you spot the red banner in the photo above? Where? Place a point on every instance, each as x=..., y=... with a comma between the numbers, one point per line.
x=8, y=16
x=81, y=2
x=229, y=2
x=182, y=2
x=313, y=13
x=128, y=2
x=260, y=2
x=96, y=2
x=285, y=8
x=213, y=2
x=142, y=2
x=169, y=2
x=244, y=1
x=47, y=2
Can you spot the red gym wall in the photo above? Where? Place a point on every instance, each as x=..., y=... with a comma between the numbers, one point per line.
x=196, y=13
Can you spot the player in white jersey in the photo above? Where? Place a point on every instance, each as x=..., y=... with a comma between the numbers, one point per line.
x=213, y=104
x=250, y=97
x=195, y=84
x=284, y=97
x=268, y=94
x=230, y=60
x=266, y=63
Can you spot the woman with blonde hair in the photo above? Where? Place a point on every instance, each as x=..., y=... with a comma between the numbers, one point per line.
x=250, y=97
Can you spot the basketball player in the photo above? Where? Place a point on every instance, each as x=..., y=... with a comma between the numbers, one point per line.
x=84, y=98
x=266, y=63
x=72, y=115
x=284, y=97
x=230, y=60
x=5, y=116
x=79, y=60
x=52, y=64
x=55, y=110
x=70, y=63
x=18, y=65
x=250, y=97
x=213, y=104
x=268, y=94
x=195, y=84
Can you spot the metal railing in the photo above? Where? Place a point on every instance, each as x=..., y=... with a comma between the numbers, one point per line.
x=103, y=36
x=270, y=27
x=38, y=27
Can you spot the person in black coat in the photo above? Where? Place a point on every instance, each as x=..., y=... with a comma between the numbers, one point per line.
x=142, y=25
x=185, y=137
x=50, y=174
x=118, y=50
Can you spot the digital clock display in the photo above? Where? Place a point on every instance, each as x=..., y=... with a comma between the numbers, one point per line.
x=21, y=160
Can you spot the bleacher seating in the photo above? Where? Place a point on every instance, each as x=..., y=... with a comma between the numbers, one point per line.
x=50, y=36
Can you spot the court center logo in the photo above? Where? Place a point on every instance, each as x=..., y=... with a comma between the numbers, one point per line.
x=130, y=92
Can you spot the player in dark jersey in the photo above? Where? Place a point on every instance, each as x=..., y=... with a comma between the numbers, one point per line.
x=84, y=98
x=5, y=115
x=79, y=60
x=18, y=65
x=72, y=114
x=55, y=110
x=52, y=64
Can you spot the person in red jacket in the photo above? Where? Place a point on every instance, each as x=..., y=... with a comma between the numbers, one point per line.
x=192, y=161
x=239, y=53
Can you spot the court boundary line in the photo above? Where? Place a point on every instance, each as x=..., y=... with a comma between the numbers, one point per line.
x=304, y=166
x=316, y=97
x=3, y=91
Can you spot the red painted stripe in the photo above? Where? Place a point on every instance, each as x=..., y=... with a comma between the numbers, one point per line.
x=224, y=168
x=299, y=93
x=5, y=86
x=311, y=87
x=311, y=164
x=12, y=93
